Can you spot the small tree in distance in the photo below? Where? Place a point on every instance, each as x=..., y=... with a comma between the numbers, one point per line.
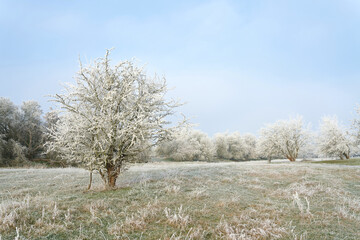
x=187, y=145
x=334, y=139
x=283, y=138
x=235, y=146
x=110, y=117
x=31, y=129
x=356, y=128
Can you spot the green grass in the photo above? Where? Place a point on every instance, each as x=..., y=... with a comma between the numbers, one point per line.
x=351, y=162
x=164, y=200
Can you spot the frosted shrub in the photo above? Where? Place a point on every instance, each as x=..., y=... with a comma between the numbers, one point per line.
x=187, y=145
x=235, y=146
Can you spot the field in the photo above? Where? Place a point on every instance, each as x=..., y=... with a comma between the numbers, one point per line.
x=164, y=200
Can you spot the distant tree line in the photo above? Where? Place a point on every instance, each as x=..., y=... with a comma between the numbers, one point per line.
x=22, y=132
x=288, y=139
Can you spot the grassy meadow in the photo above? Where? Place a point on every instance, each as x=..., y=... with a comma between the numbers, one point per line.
x=193, y=200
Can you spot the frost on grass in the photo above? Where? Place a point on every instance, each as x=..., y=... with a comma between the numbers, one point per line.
x=15, y=214
x=303, y=208
x=303, y=188
x=268, y=202
x=177, y=217
x=130, y=224
x=12, y=211
x=194, y=233
x=246, y=227
x=172, y=189
x=348, y=208
x=198, y=193
x=98, y=209
x=136, y=221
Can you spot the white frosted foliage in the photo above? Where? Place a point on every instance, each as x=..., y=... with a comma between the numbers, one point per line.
x=110, y=116
x=284, y=138
x=235, y=146
x=187, y=145
x=334, y=139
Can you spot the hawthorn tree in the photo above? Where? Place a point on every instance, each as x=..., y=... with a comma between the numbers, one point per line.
x=110, y=117
x=283, y=138
x=334, y=139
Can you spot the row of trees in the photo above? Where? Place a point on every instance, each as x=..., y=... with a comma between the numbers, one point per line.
x=23, y=135
x=283, y=139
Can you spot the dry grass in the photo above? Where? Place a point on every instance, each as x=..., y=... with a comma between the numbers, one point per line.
x=252, y=200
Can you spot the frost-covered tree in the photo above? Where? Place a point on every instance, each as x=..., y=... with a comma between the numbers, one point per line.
x=283, y=138
x=187, y=145
x=110, y=116
x=51, y=119
x=9, y=118
x=222, y=146
x=31, y=131
x=250, y=143
x=235, y=146
x=2, y=146
x=356, y=127
x=21, y=131
x=334, y=139
x=9, y=122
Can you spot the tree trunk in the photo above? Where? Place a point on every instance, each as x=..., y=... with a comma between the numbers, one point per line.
x=347, y=155
x=90, y=181
x=109, y=174
x=269, y=159
x=112, y=174
x=112, y=181
x=292, y=159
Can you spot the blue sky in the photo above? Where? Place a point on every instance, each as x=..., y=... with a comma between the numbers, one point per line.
x=237, y=64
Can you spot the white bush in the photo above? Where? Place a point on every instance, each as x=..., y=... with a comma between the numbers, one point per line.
x=187, y=145
x=234, y=146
